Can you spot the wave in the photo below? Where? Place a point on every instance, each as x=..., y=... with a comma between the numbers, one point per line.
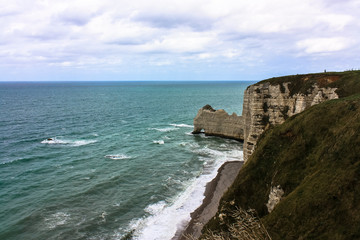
x=159, y=142
x=189, y=144
x=166, y=219
x=6, y=161
x=57, y=219
x=168, y=129
x=26, y=158
x=73, y=143
x=182, y=125
x=118, y=156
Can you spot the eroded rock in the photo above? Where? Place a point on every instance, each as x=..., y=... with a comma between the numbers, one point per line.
x=218, y=123
x=274, y=197
x=266, y=104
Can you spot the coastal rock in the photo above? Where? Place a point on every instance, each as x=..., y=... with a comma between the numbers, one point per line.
x=269, y=102
x=266, y=104
x=274, y=197
x=218, y=123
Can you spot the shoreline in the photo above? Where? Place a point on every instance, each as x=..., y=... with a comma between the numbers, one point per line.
x=214, y=190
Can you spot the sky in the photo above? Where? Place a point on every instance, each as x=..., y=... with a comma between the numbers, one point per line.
x=86, y=40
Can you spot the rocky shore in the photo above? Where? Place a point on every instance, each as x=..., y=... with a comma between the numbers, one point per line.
x=213, y=193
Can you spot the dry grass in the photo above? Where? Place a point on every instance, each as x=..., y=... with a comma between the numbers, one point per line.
x=247, y=226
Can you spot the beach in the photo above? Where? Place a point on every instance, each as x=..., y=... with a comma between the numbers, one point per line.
x=213, y=193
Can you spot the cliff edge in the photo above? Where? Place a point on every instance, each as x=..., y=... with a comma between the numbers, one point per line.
x=271, y=102
x=303, y=178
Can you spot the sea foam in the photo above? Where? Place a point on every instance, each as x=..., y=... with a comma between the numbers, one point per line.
x=67, y=142
x=182, y=125
x=117, y=156
x=166, y=218
x=167, y=129
x=57, y=219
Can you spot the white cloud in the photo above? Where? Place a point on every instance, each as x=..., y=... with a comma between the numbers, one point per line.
x=180, y=41
x=89, y=32
x=324, y=45
x=161, y=63
x=336, y=22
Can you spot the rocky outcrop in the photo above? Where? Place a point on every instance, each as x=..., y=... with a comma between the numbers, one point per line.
x=218, y=123
x=274, y=197
x=266, y=104
x=269, y=102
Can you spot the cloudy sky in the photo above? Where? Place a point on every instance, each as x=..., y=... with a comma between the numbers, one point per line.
x=176, y=40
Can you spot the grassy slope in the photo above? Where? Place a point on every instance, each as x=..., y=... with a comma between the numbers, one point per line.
x=315, y=157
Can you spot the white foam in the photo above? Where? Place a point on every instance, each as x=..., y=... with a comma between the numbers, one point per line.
x=208, y=152
x=118, y=156
x=166, y=218
x=57, y=219
x=73, y=143
x=229, y=155
x=189, y=144
x=182, y=125
x=82, y=142
x=159, y=142
x=155, y=208
x=103, y=216
x=54, y=141
x=168, y=129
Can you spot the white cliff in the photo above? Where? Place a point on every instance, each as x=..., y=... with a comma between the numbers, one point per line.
x=266, y=104
x=218, y=123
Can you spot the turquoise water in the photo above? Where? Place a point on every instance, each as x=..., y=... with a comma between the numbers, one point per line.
x=97, y=160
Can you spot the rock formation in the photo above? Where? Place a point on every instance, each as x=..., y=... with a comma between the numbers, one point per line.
x=274, y=197
x=268, y=104
x=303, y=178
x=218, y=123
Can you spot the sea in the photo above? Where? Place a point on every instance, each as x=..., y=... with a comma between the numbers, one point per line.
x=107, y=160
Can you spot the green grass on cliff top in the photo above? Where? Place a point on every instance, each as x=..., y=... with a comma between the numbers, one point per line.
x=348, y=82
x=315, y=157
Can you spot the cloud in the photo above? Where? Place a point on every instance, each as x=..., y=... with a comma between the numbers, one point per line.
x=75, y=16
x=142, y=33
x=180, y=41
x=324, y=45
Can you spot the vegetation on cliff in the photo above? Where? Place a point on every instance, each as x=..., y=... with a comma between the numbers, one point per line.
x=347, y=82
x=315, y=157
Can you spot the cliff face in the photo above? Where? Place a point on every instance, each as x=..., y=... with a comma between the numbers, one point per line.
x=303, y=179
x=268, y=104
x=218, y=123
x=271, y=102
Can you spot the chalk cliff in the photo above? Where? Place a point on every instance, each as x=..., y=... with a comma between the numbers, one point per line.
x=303, y=178
x=271, y=103
x=218, y=123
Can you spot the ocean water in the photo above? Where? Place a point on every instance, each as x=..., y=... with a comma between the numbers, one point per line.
x=105, y=160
